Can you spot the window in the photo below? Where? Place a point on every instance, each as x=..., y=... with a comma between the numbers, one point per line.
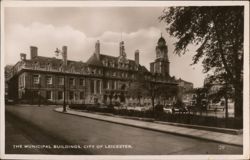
x=72, y=81
x=36, y=79
x=81, y=82
x=81, y=95
x=49, y=95
x=49, y=80
x=71, y=95
x=61, y=81
x=98, y=86
x=60, y=95
x=105, y=84
x=108, y=84
x=92, y=86
x=20, y=81
x=115, y=84
x=112, y=85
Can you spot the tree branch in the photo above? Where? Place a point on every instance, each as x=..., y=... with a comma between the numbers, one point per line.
x=222, y=52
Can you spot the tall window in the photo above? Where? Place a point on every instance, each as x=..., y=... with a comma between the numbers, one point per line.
x=115, y=83
x=92, y=86
x=35, y=79
x=81, y=95
x=112, y=85
x=98, y=86
x=60, y=95
x=71, y=95
x=105, y=84
x=81, y=82
x=108, y=84
x=49, y=80
x=49, y=95
x=61, y=81
x=72, y=81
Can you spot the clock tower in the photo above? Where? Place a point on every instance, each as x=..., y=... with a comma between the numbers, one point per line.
x=161, y=63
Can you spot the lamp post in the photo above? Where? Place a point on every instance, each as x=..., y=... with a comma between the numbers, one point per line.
x=63, y=53
x=39, y=91
x=153, y=86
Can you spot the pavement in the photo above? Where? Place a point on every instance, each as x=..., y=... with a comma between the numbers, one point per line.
x=44, y=126
x=177, y=130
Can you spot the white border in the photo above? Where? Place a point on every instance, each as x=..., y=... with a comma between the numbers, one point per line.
x=131, y=4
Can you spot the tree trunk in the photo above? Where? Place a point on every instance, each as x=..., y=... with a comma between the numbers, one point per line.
x=238, y=104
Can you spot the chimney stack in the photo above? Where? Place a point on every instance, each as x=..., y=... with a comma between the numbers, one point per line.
x=97, y=49
x=137, y=57
x=33, y=52
x=64, y=55
x=23, y=56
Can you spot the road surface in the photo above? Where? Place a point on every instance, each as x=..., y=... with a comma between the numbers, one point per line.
x=111, y=138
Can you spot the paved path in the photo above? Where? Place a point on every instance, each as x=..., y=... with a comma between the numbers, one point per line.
x=90, y=133
x=190, y=132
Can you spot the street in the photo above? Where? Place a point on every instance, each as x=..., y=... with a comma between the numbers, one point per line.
x=75, y=130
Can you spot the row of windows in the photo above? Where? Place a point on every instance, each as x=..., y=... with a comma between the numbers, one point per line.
x=113, y=85
x=120, y=74
x=60, y=95
x=72, y=81
x=119, y=65
x=70, y=68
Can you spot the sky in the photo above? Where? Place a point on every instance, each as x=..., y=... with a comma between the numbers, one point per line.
x=79, y=28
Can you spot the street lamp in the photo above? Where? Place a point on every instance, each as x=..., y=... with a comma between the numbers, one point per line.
x=39, y=91
x=63, y=52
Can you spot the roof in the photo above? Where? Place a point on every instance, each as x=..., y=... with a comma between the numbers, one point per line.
x=93, y=60
x=181, y=80
x=56, y=62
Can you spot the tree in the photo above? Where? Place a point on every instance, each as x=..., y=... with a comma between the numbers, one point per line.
x=137, y=89
x=218, y=33
x=200, y=97
x=167, y=91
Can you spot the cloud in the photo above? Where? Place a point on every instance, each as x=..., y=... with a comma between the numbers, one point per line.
x=48, y=37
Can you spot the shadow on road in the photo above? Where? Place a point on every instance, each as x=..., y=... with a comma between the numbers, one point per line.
x=18, y=133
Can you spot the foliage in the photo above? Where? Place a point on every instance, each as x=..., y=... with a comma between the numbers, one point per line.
x=167, y=91
x=176, y=118
x=218, y=33
x=137, y=89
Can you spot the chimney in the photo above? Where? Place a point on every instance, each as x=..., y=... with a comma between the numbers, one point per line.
x=64, y=55
x=23, y=56
x=137, y=57
x=33, y=52
x=97, y=49
x=122, y=49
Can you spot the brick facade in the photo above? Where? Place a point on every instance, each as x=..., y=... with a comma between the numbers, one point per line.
x=41, y=79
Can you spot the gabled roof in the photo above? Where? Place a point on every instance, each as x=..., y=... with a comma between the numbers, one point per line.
x=93, y=60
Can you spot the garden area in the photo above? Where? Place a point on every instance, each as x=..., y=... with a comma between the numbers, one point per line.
x=158, y=115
